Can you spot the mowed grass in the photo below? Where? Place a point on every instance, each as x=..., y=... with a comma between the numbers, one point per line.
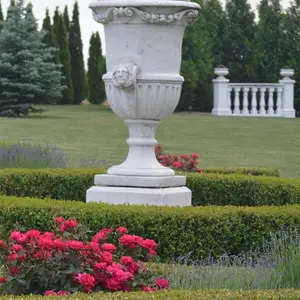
x=86, y=130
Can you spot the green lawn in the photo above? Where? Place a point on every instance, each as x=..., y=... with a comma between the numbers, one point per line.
x=219, y=141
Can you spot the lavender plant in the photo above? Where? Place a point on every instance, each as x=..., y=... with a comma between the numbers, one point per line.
x=31, y=155
x=275, y=265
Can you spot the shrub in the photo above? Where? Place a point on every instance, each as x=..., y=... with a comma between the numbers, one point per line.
x=176, y=295
x=203, y=231
x=182, y=162
x=28, y=155
x=207, y=189
x=64, y=261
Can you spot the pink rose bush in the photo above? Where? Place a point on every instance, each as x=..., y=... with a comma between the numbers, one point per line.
x=182, y=162
x=63, y=262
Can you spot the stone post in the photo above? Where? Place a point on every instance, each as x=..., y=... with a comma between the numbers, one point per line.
x=288, y=110
x=221, y=107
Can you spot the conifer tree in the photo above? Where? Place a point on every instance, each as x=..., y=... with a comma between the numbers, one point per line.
x=49, y=37
x=196, y=67
x=1, y=17
x=66, y=18
x=96, y=69
x=77, y=61
x=10, y=8
x=27, y=74
x=60, y=31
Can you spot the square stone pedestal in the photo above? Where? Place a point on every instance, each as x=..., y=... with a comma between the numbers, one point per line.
x=158, y=191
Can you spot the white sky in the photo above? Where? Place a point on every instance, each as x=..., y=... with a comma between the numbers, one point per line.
x=88, y=25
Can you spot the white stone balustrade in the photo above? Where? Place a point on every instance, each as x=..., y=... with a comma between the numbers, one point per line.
x=254, y=99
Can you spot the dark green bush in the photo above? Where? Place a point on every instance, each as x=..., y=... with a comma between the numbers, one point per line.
x=207, y=189
x=176, y=295
x=203, y=230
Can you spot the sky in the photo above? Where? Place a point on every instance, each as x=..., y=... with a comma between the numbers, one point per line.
x=88, y=25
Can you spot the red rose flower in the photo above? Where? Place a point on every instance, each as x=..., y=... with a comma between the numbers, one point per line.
x=59, y=220
x=148, y=289
x=12, y=257
x=107, y=257
x=2, y=244
x=62, y=293
x=149, y=244
x=16, y=248
x=109, y=247
x=126, y=260
x=194, y=155
x=87, y=281
x=122, y=230
x=75, y=245
x=162, y=283
x=14, y=270
x=50, y=293
x=33, y=233
x=45, y=243
x=3, y=279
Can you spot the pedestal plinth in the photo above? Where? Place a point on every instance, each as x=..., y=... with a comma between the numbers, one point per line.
x=159, y=191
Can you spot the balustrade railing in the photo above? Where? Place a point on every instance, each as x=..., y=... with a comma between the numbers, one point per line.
x=254, y=99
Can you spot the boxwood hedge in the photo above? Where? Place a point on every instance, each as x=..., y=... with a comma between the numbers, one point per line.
x=207, y=189
x=176, y=295
x=203, y=230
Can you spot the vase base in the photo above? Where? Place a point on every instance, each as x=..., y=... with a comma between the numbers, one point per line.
x=139, y=181
x=175, y=196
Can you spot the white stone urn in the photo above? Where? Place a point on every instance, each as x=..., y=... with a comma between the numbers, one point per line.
x=286, y=73
x=221, y=72
x=143, y=41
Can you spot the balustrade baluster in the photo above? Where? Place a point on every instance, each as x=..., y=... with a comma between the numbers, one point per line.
x=254, y=102
x=245, y=101
x=237, y=100
x=229, y=99
x=262, y=102
x=279, y=101
x=271, y=101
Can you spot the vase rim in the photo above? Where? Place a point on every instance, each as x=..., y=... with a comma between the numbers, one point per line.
x=140, y=3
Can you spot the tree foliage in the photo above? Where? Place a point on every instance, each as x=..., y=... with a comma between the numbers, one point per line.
x=61, y=36
x=77, y=62
x=96, y=69
x=27, y=73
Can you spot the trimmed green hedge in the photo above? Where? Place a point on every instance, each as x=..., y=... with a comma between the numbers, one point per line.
x=252, y=171
x=207, y=189
x=204, y=230
x=175, y=294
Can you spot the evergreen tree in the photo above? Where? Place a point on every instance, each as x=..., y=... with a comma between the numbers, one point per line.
x=268, y=47
x=27, y=75
x=49, y=37
x=10, y=8
x=64, y=58
x=1, y=17
x=292, y=44
x=96, y=69
x=56, y=18
x=66, y=18
x=240, y=30
x=196, y=67
x=77, y=62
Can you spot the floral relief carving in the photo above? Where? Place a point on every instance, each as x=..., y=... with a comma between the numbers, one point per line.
x=126, y=14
